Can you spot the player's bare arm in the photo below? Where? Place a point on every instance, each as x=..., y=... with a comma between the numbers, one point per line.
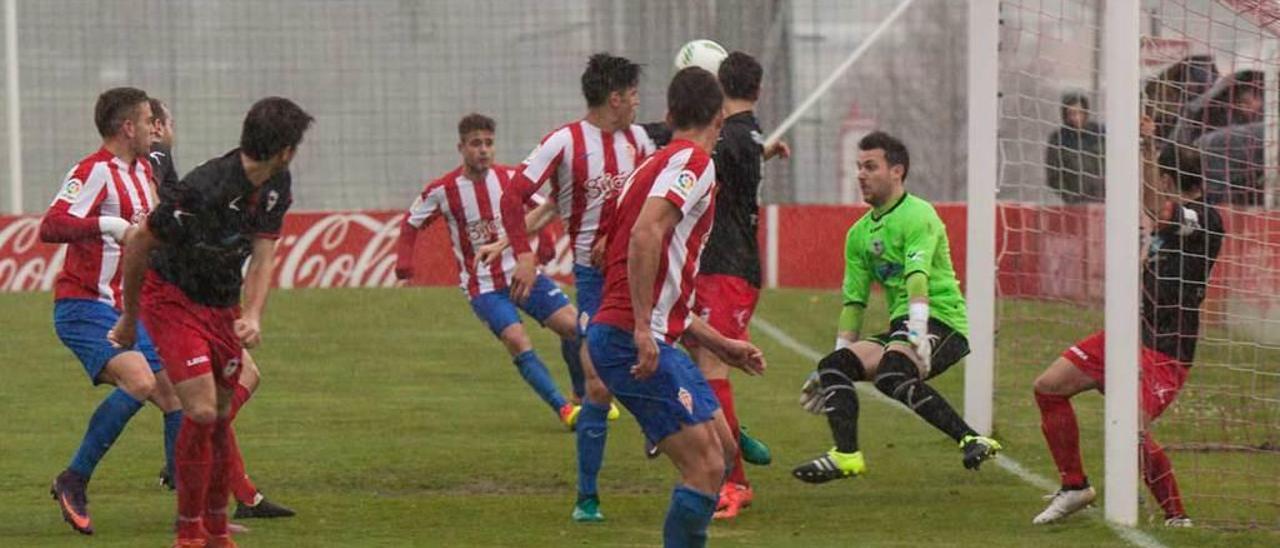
x=534, y=221
x=137, y=250
x=257, y=284
x=657, y=218
x=740, y=354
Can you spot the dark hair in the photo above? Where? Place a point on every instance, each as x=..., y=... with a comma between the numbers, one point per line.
x=114, y=107
x=606, y=74
x=693, y=98
x=1074, y=99
x=475, y=122
x=272, y=125
x=159, y=112
x=740, y=76
x=895, y=153
x=1183, y=164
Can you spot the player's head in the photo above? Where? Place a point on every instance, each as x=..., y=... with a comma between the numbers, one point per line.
x=883, y=163
x=475, y=141
x=740, y=76
x=161, y=123
x=124, y=115
x=273, y=130
x=612, y=82
x=694, y=100
x=1181, y=170
x=1075, y=109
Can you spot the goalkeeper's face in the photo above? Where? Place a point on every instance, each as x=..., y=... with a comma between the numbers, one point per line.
x=878, y=180
x=477, y=150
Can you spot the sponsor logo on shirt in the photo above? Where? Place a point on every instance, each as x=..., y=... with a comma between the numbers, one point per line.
x=604, y=185
x=482, y=231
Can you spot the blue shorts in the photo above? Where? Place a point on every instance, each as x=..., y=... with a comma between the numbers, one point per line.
x=677, y=394
x=82, y=325
x=497, y=311
x=589, y=283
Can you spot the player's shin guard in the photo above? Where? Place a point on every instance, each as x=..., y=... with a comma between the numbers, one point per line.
x=724, y=394
x=687, y=518
x=899, y=379
x=1062, y=435
x=1158, y=473
x=571, y=352
x=536, y=374
x=105, y=426
x=172, y=424
x=193, y=457
x=837, y=372
x=592, y=431
x=215, y=512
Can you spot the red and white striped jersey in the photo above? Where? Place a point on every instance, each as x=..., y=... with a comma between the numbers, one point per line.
x=101, y=185
x=683, y=174
x=474, y=217
x=585, y=165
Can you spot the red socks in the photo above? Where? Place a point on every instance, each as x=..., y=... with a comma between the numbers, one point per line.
x=1058, y=422
x=241, y=486
x=194, y=460
x=1158, y=473
x=724, y=393
x=215, y=514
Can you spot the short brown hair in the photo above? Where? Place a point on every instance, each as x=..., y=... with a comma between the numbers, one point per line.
x=272, y=125
x=740, y=76
x=159, y=112
x=475, y=122
x=694, y=98
x=114, y=107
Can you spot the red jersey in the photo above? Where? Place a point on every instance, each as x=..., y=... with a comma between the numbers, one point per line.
x=585, y=165
x=101, y=185
x=472, y=212
x=684, y=175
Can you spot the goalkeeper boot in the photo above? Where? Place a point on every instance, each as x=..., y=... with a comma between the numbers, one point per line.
x=587, y=510
x=1064, y=503
x=614, y=412
x=978, y=449
x=1179, y=522
x=262, y=508
x=832, y=465
x=69, y=491
x=753, y=450
x=569, y=415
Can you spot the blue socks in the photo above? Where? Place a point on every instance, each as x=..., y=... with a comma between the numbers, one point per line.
x=172, y=422
x=592, y=431
x=687, y=518
x=536, y=374
x=569, y=351
x=105, y=426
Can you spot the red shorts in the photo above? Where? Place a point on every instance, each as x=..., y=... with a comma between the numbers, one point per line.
x=1160, y=379
x=725, y=303
x=192, y=339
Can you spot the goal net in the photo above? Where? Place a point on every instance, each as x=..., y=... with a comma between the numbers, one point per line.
x=1209, y=80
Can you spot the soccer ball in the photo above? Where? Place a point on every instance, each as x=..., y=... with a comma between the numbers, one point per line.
x=704, y=54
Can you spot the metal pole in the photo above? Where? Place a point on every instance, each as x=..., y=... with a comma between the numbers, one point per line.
x=14, y=105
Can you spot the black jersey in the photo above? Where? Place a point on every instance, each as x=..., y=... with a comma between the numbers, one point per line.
x=733, y=248
x=207, y=222
x=1180, y=260
x=162, y=167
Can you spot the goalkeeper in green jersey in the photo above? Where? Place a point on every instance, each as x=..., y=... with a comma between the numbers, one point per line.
x=900, y=244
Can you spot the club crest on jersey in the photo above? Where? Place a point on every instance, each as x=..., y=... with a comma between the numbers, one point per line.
x=686, y=399
x=877, y=247
x=71, y=189
x=272, y=198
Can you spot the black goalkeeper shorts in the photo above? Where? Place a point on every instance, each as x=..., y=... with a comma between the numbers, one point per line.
x=949, y=347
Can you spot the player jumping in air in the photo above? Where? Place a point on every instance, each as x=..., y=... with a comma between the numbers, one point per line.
x=1183, y=247
x=250, y=503
x=468, y=198
x=586, y=161
x=902, y=245
x=191, y=251
x=100, y=200
x=654, y=245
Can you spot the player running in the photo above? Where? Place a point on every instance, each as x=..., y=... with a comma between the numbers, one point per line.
x=1182, y=250
x=100, y=200
x=586, y=162
x=191, y=251
x=467, y=199
x=653, y=251
x=250, y=502
x=902, y=245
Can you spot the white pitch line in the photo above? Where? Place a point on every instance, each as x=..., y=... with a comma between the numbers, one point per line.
x=1131, y=535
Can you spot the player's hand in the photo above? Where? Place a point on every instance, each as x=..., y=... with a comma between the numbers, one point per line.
x=919, y=337
x=743, y=355
x=524, y=276
x=125, y=332
x=812, y=398
x=646, y=355
x=486, y=253
x=597, y=251
x=249, y=331
x=779, y=149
